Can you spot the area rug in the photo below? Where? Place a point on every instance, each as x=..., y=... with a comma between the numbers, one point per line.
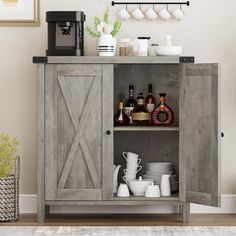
x=117, y=231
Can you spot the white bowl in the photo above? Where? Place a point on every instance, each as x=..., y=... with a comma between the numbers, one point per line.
x=168, y=50
x=138, y=187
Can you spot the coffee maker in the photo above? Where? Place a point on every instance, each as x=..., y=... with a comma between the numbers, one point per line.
x=65, y=33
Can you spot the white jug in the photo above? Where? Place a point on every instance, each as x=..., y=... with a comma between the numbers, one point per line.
x=165, y=186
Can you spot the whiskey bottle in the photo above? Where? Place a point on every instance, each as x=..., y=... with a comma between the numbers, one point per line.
x=140, y=115
x=162, y=114
x=121, y=119
x=130, y=103
x=150, y=100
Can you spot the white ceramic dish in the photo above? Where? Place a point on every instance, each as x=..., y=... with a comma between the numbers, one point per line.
x=168, y=50
x=138, y=186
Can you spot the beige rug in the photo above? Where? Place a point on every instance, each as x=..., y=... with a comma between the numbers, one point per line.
x=117, y=231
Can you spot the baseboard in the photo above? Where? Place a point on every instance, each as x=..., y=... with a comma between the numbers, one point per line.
x=28, y=204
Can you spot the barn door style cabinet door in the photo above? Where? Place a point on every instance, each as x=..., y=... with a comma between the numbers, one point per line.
x=78, y=143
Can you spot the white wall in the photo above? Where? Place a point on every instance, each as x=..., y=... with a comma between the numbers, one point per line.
x=208, y=33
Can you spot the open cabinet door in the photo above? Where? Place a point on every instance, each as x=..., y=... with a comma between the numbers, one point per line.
x=199, y=133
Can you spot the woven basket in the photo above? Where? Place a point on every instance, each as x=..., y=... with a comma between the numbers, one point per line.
x=9, y=195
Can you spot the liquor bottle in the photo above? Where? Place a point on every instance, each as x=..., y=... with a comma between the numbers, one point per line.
x=121, y=119
x=140, y=114
x=130, y=103
x=162, y=114
x=150, y=100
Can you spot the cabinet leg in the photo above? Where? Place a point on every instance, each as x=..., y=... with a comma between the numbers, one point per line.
x=186, y=212
x=40, y=212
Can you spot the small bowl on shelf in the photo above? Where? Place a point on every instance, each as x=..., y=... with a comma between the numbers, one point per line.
x=138, y=186
x=168, y=50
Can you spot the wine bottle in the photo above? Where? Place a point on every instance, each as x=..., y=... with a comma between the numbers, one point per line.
x=162, y=114
x=140, y=114
x=121, y=119
x=150, y=100
x=130, y=103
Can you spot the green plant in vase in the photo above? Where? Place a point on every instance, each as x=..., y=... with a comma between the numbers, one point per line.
x=106, y=31
x=8, y=152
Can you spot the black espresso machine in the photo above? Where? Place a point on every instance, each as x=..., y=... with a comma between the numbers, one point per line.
x=65, y=33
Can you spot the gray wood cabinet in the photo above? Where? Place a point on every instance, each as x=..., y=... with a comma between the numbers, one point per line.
x=78, y=143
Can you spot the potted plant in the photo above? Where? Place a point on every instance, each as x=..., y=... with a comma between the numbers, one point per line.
x=9, y=178
x=106, y=33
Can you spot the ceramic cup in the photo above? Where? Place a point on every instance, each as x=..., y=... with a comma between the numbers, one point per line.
x=151, y=14
x=127, y=178
x=131, y=158
x=123, y=191
x=178, y=14
x=124, y=14
x=137, y=14
x=132, y=166
x=164, y=14
x=153, y=191
x=132, y=172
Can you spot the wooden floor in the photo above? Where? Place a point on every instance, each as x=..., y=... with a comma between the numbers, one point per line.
x=127, y=220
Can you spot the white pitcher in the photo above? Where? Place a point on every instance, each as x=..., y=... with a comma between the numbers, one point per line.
x=165, y=186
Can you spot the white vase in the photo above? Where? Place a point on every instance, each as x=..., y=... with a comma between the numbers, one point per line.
x=165, y=186
x=106, y=45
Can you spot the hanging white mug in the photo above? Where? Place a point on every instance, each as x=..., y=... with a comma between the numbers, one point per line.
x=178, y=14
x=137, y=14
x=164, y=14
x=151, y=14
x=124, y=14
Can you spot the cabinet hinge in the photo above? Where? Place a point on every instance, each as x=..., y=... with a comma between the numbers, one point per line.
x=186, y=59
x=42, y=60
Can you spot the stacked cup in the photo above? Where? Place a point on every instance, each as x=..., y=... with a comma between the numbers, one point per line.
x=132, y=166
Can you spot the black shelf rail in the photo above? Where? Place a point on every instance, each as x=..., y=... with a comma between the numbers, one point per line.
x=113, y=3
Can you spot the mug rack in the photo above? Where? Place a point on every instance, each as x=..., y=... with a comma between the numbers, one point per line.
x=113, y=3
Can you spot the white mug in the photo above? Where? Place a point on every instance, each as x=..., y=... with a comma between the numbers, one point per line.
x=127, y=171
x=128, y=178
x=131, y=157
x=124, y=14
x=178, y=14
x=164, y=14
x=151, y=14
x=137, y=14
x=123, y=191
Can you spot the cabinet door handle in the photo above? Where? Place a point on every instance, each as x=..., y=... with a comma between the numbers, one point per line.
x=222, y=134
x=108, y=132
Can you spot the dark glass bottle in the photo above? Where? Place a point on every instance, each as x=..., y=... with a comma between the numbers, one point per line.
x=121, y=119
x=162, y=114
x=150, y=100
x=140, y=114
x=130, y=103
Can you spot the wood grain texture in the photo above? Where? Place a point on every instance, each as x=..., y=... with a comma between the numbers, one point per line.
x=113, y=60
x=75, y=159
x=107, y=125
x=40, y=147
x=199, y=132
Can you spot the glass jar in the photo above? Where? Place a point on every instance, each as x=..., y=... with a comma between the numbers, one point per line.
x=152, y=49
x=125, y=47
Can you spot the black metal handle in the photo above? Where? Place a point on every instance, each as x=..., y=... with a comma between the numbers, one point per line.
x=222, y=134
x=113, y=3
x=108, y=132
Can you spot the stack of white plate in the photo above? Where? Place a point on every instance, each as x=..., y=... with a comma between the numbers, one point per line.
x=155, y=170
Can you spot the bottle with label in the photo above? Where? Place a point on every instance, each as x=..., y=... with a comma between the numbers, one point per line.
x=130, y=103
x=150, y=100
x=140, y=114
x=162, y=114
x=121, y=119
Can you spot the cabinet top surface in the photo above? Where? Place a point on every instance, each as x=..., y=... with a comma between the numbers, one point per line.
x=108, y=60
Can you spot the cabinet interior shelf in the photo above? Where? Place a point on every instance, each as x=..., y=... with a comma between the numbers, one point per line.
x=173, y=197
x=132, y=128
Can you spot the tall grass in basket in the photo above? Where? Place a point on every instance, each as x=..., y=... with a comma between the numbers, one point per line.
x=8, y=152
